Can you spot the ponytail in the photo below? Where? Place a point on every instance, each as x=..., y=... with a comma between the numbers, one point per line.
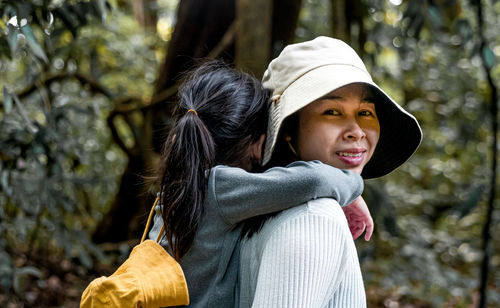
x=221, y=112
x=188, y=158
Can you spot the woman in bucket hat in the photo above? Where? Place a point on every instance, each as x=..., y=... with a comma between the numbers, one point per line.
x=325, y=106
x=207, y=189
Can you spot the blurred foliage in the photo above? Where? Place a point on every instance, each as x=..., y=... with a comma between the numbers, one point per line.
x=65, y=65
x=426, y=54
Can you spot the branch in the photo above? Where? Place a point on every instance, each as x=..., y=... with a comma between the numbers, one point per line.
x=94, y=85
x=224, y=43
x=115, y=135
x=83, y=79
x=166, y=94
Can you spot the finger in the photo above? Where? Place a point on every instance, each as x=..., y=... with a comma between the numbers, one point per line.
x=369, y=230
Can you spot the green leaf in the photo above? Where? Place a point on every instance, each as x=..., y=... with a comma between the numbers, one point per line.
x=67, y=18
x=468, y=205
x=32, y=128
x=33, y=44
x=4, y=47
x=4, y=181
x=464, y=30
x=412, y=9
x=6, y=271
x=7, y=100
x=415, y=25
x=80, y=10
x=435, y=17
x=85, y=258
x=12, y=38
x=24, y=9
x=489, y=57
x=101, y=4
x=28, y=270
x=22, y=273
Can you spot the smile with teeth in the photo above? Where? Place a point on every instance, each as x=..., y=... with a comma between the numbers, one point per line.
x=350, y=154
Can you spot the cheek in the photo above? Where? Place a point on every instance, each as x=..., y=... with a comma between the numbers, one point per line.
x=307, y=141
x=373, y=136
x=314, y=141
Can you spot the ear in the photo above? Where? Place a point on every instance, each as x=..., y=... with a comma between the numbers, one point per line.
x=256, y=148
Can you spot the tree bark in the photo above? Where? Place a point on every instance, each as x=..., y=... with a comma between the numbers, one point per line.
x=347, y=23
x=114, y=226
x=145, y=12
x=339, y=22
x=203, y=29
x=253, y=35
x=200, y=26
x=285, y=19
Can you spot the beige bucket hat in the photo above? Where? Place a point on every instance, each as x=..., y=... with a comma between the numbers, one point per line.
x=307, y=71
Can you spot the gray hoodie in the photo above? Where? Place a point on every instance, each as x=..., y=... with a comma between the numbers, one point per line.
x=211, y=264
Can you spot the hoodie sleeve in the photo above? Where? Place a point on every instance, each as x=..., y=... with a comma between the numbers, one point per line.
x=241, y=195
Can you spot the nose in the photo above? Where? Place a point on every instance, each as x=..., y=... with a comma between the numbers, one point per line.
x=353, y=131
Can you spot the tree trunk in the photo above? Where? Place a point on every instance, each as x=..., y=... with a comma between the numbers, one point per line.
x=194, y=36
x=339, y=23
x=285, y=19
x=253, y=36
x=145, y=12
x=203, y=29
x=114, y=227
x=347, y=23
x=200, y=26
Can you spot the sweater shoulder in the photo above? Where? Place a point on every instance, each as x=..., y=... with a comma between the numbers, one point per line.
x=305, y=216
x=324, y=208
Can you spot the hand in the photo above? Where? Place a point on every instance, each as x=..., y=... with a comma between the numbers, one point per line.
x=358, y=216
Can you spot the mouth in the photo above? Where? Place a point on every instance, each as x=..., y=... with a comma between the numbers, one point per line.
x=352, y=157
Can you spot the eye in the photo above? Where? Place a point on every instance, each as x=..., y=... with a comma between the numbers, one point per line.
x=333, y=112
x=366, y=113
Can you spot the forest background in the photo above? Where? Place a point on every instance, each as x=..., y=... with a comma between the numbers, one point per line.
x=87, y=92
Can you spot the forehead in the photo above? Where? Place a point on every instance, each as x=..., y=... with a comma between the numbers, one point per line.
x=355, y=92
x=354, y=89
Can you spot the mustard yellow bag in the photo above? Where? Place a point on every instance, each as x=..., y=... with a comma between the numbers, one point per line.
x=149, y=278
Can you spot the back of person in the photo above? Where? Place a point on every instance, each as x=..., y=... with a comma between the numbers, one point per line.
x=279, y=263
x=221, y=114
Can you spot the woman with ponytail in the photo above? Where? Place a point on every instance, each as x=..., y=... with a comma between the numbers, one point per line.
x=207, y=190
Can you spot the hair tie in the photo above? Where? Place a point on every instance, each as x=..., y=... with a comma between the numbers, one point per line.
x=192, y=110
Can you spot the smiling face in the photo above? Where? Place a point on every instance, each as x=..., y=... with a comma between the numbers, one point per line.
x=340, y=129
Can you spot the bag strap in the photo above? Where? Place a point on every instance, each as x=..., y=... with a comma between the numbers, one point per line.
x=149, y=223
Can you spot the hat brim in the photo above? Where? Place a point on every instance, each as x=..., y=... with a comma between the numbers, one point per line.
x=400, y=133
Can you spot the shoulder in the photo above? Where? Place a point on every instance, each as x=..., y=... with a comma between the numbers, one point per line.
x=326, y=209
x=322, y=215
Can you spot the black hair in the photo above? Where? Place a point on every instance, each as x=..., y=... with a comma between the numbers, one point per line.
x=221, y=111
x=281, y=157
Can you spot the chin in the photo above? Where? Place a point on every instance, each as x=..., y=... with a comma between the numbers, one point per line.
x=357, y=169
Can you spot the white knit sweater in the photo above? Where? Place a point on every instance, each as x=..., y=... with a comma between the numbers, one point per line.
x=304, y=257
